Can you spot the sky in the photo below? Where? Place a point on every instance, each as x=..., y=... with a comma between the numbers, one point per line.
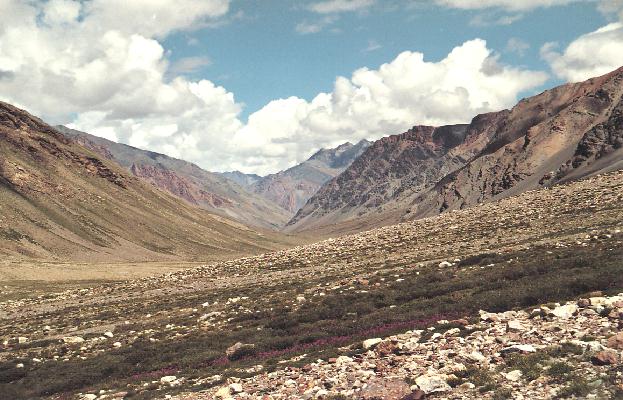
x=260, y=85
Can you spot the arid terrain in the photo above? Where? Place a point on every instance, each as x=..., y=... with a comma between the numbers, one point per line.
x=291, y=324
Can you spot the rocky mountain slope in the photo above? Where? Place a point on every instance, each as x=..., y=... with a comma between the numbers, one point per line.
x=566, y=133
x=59, y=200
x=183, y=179
x=291, y=188
x=305, y=323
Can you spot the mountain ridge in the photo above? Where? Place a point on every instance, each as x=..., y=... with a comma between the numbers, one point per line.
x=62, y=201
x=292, y=187
x=543, y=140
x=188, y=181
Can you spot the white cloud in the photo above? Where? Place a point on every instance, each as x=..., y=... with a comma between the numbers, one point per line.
x=306, y=27
x=510, y=5
x=484, y=20
x=517, y=46
x=611, y=8
x=188, y=65
x=375, y=103
x=590, y=55
x=373, y=45
x=103, y=69
x=338, y=6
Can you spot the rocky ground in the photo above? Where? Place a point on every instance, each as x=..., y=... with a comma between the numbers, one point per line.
x=559, y=351
x=259, y=326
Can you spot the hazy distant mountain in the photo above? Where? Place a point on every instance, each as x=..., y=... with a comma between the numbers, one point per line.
x=569, y=132
x=60, y=200
x=208, y=190
x=241, y=178
x=291, y=188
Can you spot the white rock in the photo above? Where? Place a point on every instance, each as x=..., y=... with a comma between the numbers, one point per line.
x=523, y=348
x=73, y=339
x=168, y=379
x=235, y=388
x=514, y=376
x=341, y=360
x=515, y=326
x=432, y=383
x=445, y=264
x=223, y=393
x=89, y=396
x=117, y=344
x=300, y=299
x=566, y=311
x=108, y=334
x=476, y=356
x=371, y=343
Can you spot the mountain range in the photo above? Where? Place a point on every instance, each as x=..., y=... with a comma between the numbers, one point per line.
x=569, y=132
x=291, y=189
x=60, y=200
x=71, y=194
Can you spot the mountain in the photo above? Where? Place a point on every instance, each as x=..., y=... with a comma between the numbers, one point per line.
x=569, y=132
x=183, y=179
x=241, y=178
x=291, y=188
x=59, y=200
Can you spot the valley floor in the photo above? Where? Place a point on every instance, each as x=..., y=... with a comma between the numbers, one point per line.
x=176, y=334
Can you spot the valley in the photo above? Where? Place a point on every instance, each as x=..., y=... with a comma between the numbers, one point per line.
x=170, y=334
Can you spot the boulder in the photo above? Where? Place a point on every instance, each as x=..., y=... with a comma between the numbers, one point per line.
x=476, y=356
x=237, y=349
x=607, y=357
x=387, y=389
x=514, y=376
x=565, y=312
x=616, y=341
x=168, y=379
x=514, y=326
x=223, y=393
x=235, y=388
x=445, y=264
x=371, y=343
x=386, y=348
x=432, y=383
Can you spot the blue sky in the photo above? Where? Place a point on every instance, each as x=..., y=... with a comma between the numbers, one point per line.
x=260, y=85
x=260, y=57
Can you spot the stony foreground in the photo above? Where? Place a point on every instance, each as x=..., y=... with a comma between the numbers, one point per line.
x=564, y=351
x=194, y=332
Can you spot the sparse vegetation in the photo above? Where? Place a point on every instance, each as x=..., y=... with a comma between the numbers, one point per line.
x=312, y=300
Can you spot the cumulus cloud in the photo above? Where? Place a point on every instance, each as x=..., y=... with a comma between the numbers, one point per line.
x=100, y=66
x=373, y=103
x=590, y=55
x=511, y=5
